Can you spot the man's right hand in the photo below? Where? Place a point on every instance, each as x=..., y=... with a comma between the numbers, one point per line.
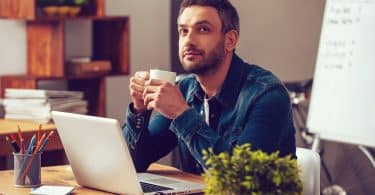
x=137, y=86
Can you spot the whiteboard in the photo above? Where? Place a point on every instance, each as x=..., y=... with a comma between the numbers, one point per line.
x=342, y=105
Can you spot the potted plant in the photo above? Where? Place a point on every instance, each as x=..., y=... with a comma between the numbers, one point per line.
x=76, y=2
x=61, y=7
x=75, y=6
x=250, y=172
x=43, y=3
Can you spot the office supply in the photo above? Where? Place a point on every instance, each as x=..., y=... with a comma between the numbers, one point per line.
x=39, y=132
x=27, y=164
x=20, y=137
x=11, y=144
x=36, y=105
x=342, y=102
x=55, y=190
x=14, y=139
x=341, y=106
x=28, y=161
x=45, y=141
x=31, y=145
x=40, y=143
x=40, y=93
x=32, y=170
x=100, y=158
x=9, y=128
x=62, y=175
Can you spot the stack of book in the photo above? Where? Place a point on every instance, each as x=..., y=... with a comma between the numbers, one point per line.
x=36, y=104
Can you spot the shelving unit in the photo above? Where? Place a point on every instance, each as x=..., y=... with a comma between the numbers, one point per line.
x=29, y=10
x=46, y=49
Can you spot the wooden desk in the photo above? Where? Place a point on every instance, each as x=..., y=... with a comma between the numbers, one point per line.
x=8, y=127
x=62, y=175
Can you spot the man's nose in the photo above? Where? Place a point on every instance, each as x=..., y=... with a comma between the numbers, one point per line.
x=190, y=39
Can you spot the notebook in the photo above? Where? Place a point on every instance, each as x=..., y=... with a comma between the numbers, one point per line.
x=100, y=159
x=55, y=190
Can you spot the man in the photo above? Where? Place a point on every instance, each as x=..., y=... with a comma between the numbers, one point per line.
x=223, y=103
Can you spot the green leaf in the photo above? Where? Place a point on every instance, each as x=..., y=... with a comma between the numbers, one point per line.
x=80, y=2
x=250, y=172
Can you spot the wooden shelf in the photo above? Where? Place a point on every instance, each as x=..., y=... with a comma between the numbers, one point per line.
x=29, y=10
x=93, y=18
x=46, y=49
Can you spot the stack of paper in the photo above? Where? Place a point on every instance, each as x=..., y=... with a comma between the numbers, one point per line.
x=36, y=105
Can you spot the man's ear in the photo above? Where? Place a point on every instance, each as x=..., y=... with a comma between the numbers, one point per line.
x=231, y=40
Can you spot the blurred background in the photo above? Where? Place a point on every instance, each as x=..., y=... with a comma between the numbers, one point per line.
x=282, y=36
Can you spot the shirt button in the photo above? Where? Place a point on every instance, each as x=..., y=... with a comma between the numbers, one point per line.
x=138, y=126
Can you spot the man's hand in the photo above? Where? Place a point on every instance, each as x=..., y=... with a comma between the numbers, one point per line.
x=137, y=87
x=164, y=98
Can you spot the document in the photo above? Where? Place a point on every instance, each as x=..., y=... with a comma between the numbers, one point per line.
x=55, y=190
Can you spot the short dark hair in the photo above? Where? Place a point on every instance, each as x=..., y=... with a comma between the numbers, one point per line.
x=227, y=13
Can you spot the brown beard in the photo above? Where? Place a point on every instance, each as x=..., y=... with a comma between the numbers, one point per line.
x=210, y=63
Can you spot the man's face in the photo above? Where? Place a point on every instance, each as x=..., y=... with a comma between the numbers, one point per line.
x=201, y=42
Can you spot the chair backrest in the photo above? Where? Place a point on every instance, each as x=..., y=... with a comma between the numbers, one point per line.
x=309, y=162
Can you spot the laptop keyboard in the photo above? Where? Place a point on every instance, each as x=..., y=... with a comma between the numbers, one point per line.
x=147, y=187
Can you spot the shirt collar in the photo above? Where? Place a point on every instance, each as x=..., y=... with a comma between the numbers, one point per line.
x=228, y=92
x=231, y=87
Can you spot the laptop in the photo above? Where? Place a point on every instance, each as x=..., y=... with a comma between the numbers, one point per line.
x=100, y=159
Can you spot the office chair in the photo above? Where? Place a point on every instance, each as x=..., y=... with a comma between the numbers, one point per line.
x=309, y=163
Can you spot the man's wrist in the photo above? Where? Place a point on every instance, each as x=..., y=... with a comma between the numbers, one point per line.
x=139, y=110
x=137, y=121
x=135, y=110
x=182, y=110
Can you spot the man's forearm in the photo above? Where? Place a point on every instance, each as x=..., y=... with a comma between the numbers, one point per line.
x=148, y=140
x=191, y=128
x=135, y=125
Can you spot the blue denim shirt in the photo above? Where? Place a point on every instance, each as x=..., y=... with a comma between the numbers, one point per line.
x=252, y=106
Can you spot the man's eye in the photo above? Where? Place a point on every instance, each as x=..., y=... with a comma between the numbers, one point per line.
x=183, y=31
x=204, y=29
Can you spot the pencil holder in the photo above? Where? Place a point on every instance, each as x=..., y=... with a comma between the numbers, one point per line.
x=27, y=170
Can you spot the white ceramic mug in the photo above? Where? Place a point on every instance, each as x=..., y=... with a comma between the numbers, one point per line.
x=163, y=75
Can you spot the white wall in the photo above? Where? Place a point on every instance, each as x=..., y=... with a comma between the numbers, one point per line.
x=282, y=35
x=149, y=45
x=12, y=47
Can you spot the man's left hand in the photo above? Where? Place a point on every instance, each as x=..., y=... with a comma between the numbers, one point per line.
x=164, y=98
